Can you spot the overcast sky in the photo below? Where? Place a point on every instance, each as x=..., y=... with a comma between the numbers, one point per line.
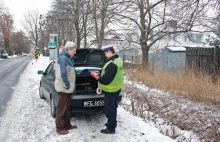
x=19, y=7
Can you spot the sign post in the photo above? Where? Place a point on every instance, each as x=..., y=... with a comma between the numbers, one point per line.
x=53, y=46
x=45, y=53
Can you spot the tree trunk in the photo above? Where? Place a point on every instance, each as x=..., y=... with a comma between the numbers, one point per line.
x=85, y=31
x=143, y=38
x=85, y=40
x=78, y=39
x=6, y=43
x=145, y=50
x=101, y=37
x=7, y=48
x=102, y=28
x=78, y=42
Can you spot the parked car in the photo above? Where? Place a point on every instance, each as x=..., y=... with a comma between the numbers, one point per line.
x=3, y=53
x=24, y=54
x=85, y=97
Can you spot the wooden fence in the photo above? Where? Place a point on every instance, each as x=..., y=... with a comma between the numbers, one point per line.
x=206, y=60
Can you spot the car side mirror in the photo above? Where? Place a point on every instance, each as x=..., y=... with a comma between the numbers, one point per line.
x=42, y=72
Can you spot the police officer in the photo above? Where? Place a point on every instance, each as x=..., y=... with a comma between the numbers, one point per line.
x=111, y=81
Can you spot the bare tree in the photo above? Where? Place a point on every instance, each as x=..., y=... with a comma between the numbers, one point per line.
x=73, y=19
x=102, y=15
x=156, y=19
x=6, y=26
x=31, y=25
x=85, y=19
x=87, y=22
x=44, y=36
x=20, y=43
x=56, y=23
x=213, y=24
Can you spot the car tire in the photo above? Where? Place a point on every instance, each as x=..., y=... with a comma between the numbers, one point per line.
x=41, y=93
x=52, y=107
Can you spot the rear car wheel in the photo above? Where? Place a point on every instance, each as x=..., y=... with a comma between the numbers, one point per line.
x=41, y=93
x=52, y=107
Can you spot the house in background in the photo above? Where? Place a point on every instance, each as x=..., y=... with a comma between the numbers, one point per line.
x=110, y=38
x=191, y=39
x=171, y=59
x=167, y=54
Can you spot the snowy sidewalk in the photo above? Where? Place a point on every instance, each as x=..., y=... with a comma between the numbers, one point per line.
x=28, y=119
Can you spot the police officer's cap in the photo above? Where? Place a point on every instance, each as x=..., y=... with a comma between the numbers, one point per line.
x=107, y=48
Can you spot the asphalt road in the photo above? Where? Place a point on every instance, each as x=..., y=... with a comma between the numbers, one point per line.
x=10, y=70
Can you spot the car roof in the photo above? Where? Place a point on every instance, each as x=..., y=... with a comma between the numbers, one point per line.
x=85, y=49
x=90, y=49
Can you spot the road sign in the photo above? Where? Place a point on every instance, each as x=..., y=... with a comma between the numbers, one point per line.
x=36, y=53
x=37, y=48
x=52, y=45
x=53, y=37
x=45, y=48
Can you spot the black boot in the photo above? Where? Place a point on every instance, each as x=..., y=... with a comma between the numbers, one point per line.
x=106, y=125
x=107, y=131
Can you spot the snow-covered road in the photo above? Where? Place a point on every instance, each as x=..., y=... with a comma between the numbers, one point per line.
x=27, y=118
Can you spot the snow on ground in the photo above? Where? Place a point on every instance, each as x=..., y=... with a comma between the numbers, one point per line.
x=14, y=56
x=27, y=118
x=175, y=115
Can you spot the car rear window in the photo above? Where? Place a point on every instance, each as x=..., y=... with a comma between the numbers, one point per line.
x=96, y=57
x=79, y=58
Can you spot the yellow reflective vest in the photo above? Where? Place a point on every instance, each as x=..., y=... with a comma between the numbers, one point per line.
x=117, y=82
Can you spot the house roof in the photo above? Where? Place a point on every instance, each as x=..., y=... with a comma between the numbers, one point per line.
x=111, y=35
x=176, y=49
x=113, y=39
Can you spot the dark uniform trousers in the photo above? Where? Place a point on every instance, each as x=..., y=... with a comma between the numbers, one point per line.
x=62, y=112
x=111, y=109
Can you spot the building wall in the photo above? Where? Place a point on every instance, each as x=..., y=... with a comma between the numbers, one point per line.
x=168, y=61
x=163, y=61
x=181, y=39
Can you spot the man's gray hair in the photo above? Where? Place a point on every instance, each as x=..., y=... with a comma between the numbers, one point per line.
x=70, y=45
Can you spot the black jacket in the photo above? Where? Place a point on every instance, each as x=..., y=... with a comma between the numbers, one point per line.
x=110, y=72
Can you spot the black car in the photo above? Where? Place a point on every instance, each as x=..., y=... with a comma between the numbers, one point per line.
x=85, y=97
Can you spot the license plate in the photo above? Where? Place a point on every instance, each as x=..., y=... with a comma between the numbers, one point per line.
x=93, y=103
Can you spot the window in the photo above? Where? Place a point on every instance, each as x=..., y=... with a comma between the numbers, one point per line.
x=194, y=37
x=80, y=58
x=49, y=68
x=94, y=58
x=89, y=57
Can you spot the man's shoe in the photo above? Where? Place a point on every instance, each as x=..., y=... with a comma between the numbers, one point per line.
x=107, y=131
x=62, y=132
x=106, y=125
x=72, y=127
